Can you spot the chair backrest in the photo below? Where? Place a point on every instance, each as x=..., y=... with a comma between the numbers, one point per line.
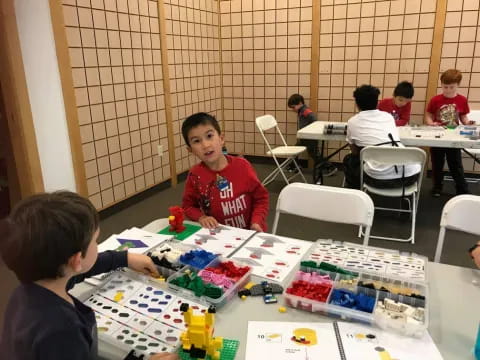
x=460, y=213
x=326, y=203
x=390, y=155
x=267, y=122
x=475, y=116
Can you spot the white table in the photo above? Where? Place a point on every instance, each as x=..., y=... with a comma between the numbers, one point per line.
x=454, y=313
x=451, y=139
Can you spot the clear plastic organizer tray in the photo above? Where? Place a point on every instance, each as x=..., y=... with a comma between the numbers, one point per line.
x=371, y=260
x=356, y=283
x=227, y=295
x=183, y=248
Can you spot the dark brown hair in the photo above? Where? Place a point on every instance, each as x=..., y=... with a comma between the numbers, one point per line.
x=451, y=76
x=197, y=119
x=295, y=99
x=44, y=231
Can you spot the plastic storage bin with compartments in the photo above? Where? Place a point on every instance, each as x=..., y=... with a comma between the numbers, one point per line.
x=230, y=286
x=364, y=284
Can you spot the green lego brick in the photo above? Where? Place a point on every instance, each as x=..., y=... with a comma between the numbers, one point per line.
x=228, y=351
x=189, y=230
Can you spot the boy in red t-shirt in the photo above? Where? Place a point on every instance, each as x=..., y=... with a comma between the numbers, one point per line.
x=400, y=105
x=448, y=109
x=221, y=189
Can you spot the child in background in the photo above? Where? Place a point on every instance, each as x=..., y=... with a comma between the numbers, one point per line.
x=306, y=116
x=50, y=242
x=448, y=109
x=222, y=189
x=400, y=105
x=372, y=127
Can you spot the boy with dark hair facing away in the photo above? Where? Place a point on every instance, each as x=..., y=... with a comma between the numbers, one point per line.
x=221, y=189
x=372, y=127
x=306, y=116
x=50, y=242
x=448, y=109
x=400, y=105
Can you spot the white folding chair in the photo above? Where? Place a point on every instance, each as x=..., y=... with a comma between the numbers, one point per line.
x=326, y=203
x=395, y=156
x=267, y=122
x=474, y=153
x=459, y=213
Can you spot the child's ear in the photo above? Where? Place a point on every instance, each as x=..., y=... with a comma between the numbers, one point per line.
x=189, y=149
x=75, y=262
x=222, y=139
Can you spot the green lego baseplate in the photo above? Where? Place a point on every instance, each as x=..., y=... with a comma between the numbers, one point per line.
x=228, y=352
x=190, y=229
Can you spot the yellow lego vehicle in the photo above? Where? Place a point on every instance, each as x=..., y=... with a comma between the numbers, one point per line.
x=198, y=339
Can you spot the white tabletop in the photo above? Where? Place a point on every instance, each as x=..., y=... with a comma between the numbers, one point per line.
x=451, y=138
x=454, y=317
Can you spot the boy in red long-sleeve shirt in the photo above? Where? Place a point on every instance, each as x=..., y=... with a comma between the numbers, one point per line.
x=221, y=189
x=400, y=105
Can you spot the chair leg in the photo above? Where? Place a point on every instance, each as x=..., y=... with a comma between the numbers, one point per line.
x=413, y=213
x=367, y=236
x=299, y=170
x=414, y=217
x=438, y=251
x=275, y=222
x=278, y=170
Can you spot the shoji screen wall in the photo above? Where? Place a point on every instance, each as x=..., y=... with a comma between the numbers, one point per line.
x=194, y=66
x=266, y=56
x=461, y=50
x=372, y=42
x=115, y=59
x=239, y=59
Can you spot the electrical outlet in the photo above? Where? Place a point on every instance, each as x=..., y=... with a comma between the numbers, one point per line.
x=160, y=150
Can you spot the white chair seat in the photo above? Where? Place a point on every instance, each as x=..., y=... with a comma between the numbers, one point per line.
x=287, y=150
x=397, y=192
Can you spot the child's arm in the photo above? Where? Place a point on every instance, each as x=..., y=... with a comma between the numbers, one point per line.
x=405, y=115
x=465, y=121
x=260, y=202
x=429, y=119
x=111, y=260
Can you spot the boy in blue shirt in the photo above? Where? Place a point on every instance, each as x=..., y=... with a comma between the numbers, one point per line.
x=306, y=116
x=50, y=242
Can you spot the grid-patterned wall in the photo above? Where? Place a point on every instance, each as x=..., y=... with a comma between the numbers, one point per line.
x=266, y=56
x=372, y=42
x=194, y=66
x=115, y=56
x=461, y=50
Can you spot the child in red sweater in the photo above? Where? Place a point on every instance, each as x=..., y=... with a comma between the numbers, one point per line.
x=221, y=189
x=400, y=105
x=448, y=109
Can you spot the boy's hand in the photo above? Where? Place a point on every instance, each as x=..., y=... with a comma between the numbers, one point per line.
x=164, y=356
x=208, y=222
x=256, y=227
x=142, y=263
x=476, y=256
